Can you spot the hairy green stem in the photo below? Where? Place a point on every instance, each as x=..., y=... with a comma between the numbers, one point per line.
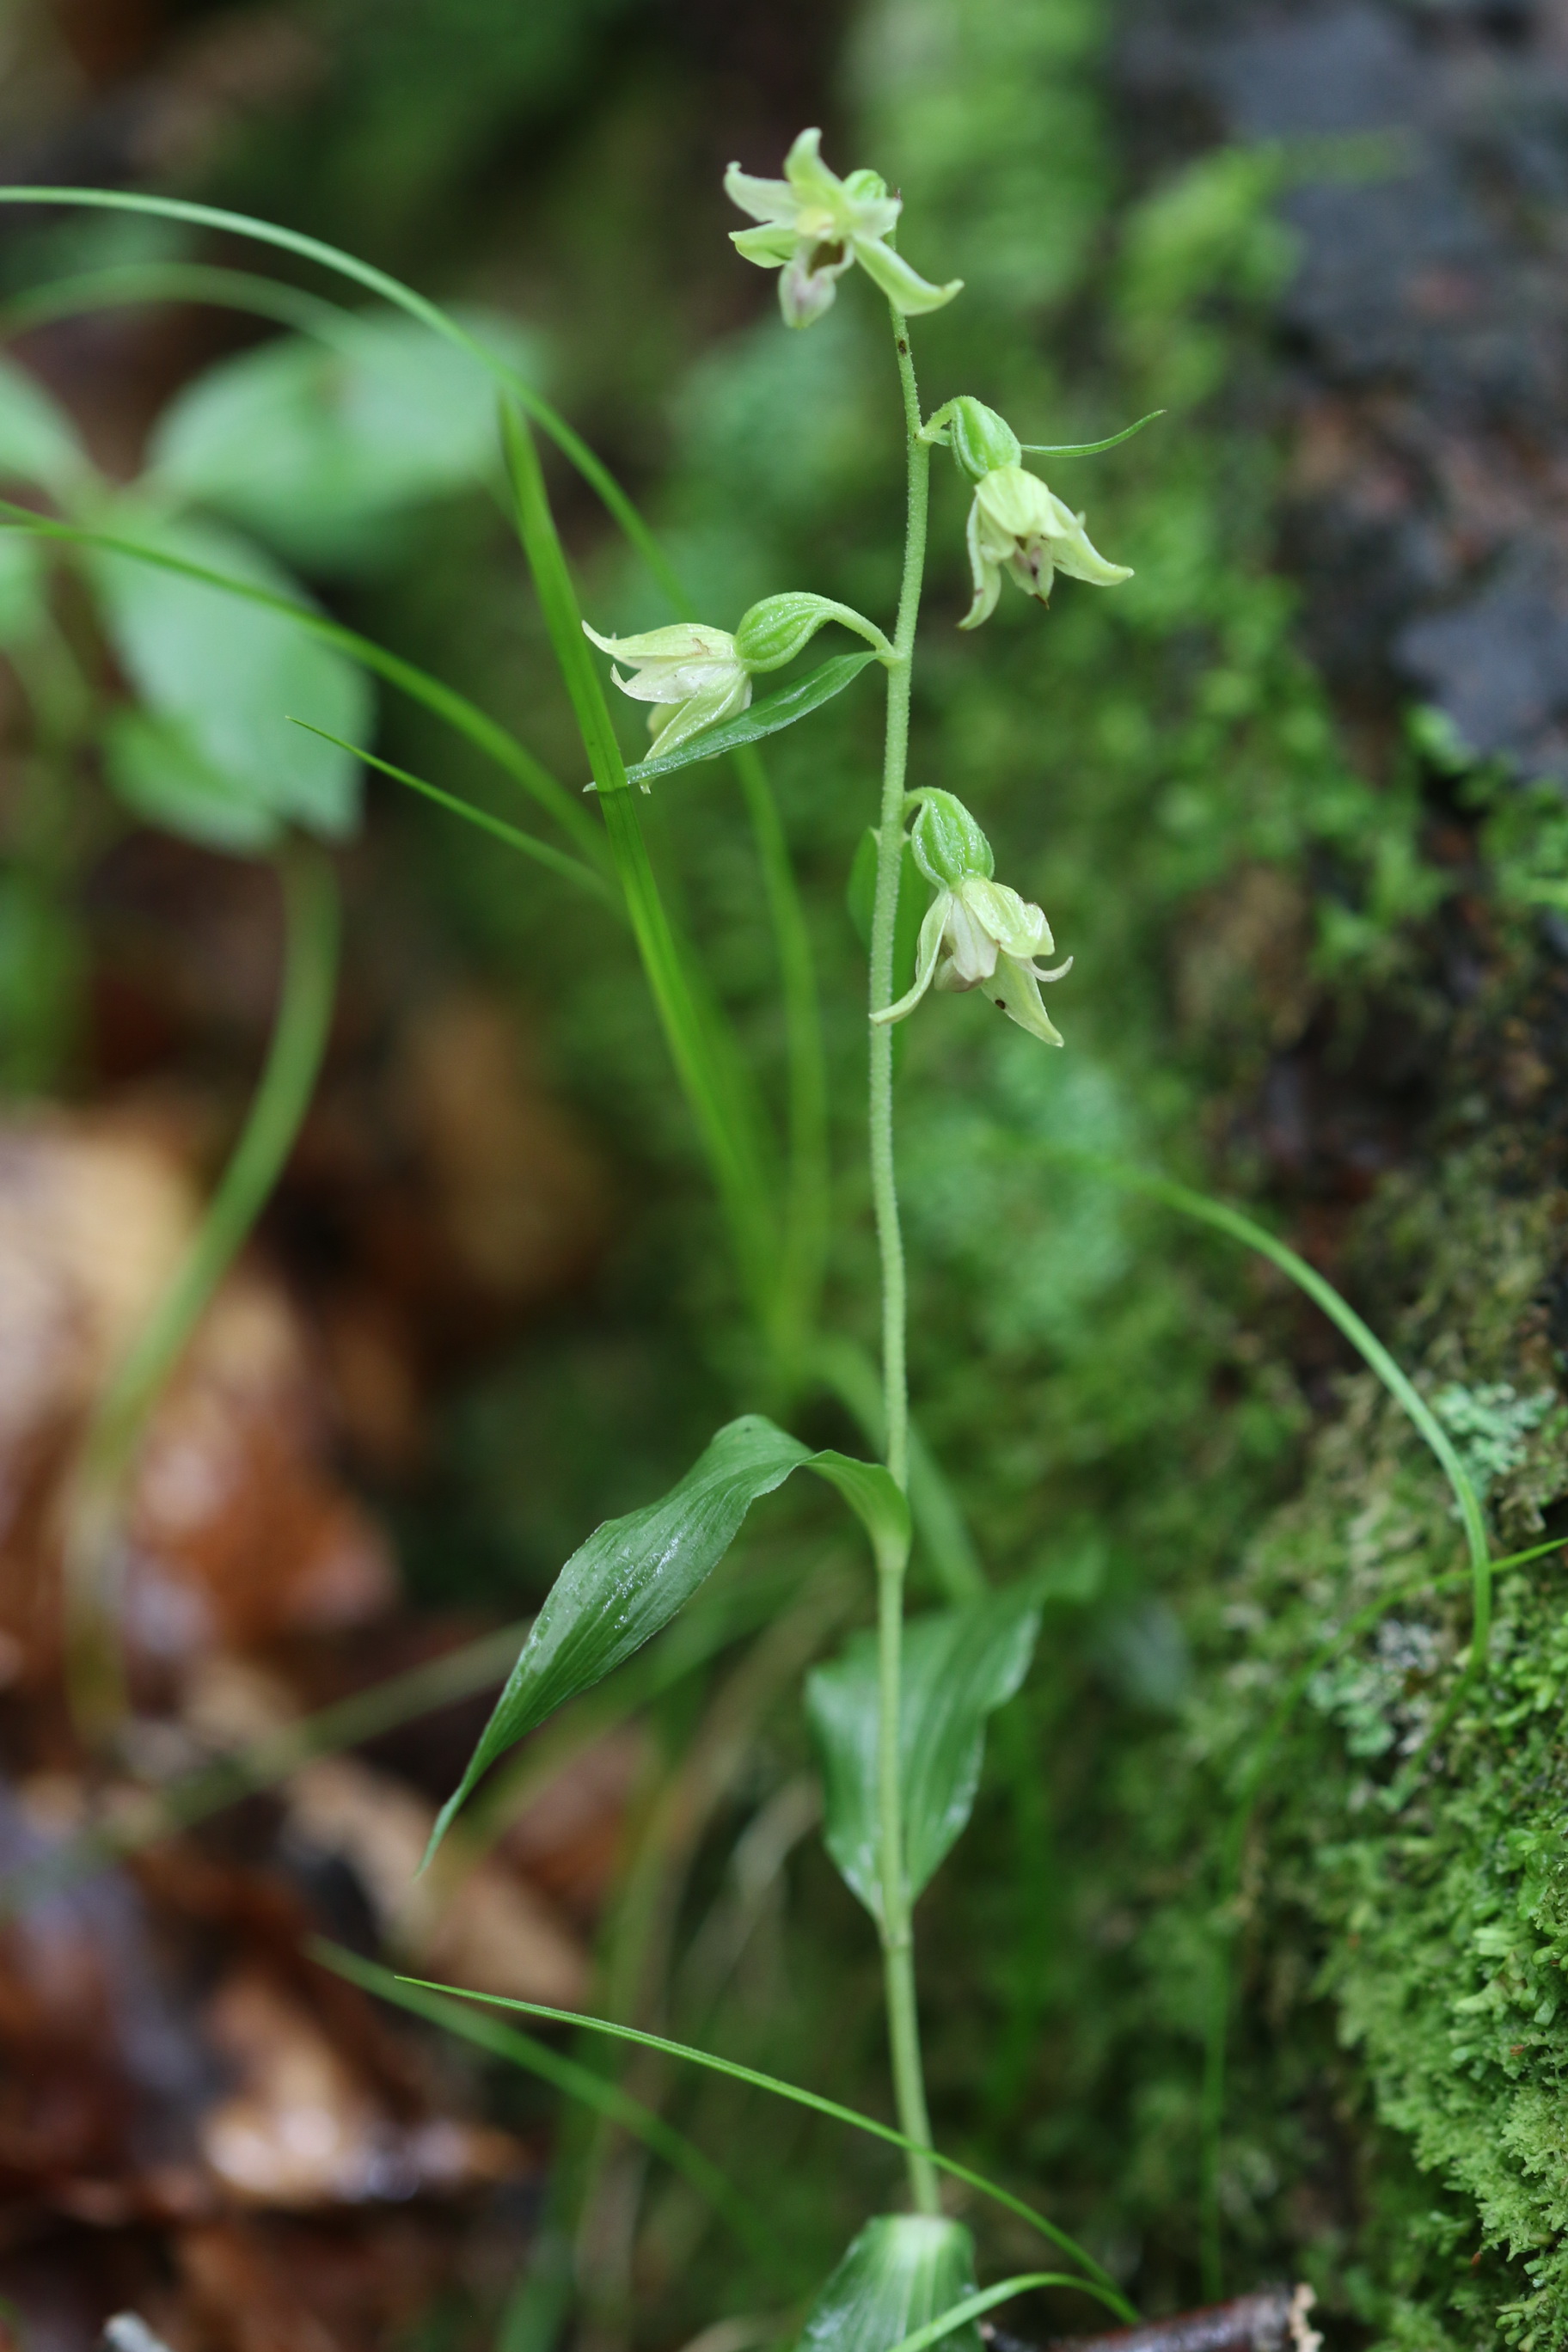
x=95, y=1672
x=898, y=1935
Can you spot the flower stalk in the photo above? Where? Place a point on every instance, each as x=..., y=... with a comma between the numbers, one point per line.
x=897, y=1936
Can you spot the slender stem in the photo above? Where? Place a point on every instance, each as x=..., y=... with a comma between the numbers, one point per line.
x=898, y=1935
x=94, y=1666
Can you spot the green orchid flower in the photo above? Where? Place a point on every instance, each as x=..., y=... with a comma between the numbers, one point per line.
x=816, y=225
x=690, y=673
x=1018, y=526
x=978, y=933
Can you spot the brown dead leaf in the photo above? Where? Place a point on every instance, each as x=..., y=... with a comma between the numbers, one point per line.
x=487, y=1929
x=302, y=2128
x=236, y=1529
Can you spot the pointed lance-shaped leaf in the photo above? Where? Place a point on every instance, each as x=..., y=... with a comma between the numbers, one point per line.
x=633, y=1574
x=765, y=718
x=958, y=1668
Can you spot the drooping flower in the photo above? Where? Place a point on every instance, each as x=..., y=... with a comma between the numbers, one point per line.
x=978, y=933
x=814, y=226
x=691, y=674
x=1018, y=526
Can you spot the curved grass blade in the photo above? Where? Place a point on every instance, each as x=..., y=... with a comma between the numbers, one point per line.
x=1087, y=448
x=391, y=289
x=484, y=732
x=975, y=2307
x=134, y=282
x=714, y=1075
x=775, y=713
x=1366, y=1343
x=543, y=852
x=821, y=2106
x=573, y=2080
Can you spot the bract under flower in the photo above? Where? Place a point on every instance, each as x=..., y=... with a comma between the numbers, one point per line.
x=814, y=226
x=690, y=673
x=1018, y=526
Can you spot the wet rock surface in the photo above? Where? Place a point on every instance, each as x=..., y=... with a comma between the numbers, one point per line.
x=1424, y=334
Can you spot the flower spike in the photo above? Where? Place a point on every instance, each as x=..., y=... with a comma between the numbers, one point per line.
x=815, y=227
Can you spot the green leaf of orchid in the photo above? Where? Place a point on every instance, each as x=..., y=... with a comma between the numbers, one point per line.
x=902, y=2272
x=633, y=1574
x=765, y=718
x=959, y=1667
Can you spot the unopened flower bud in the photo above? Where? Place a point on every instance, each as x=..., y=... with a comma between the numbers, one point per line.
x=980, y=441
x=775, y=631
x=949, y=847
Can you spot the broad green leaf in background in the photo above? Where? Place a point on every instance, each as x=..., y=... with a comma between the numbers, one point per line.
x=38, y=443
x=320, y=447
x=901, y=2272
x=958, y=1667
x=155, y=767
x=765, y=718
x=224, y=680
x=634, y=1573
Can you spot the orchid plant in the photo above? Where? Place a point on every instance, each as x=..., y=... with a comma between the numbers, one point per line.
x=899, y=1716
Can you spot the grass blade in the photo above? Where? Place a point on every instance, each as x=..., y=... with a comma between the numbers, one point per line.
x=543, y=852
x=822, y=2106
x=484, y=733
x=391, y=289
x=706, y=1061
x=572, y=2079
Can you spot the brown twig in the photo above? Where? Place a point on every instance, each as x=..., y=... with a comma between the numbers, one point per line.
x=1274, y=2319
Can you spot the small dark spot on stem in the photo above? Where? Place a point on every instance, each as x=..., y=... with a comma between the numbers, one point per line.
x=903, y=346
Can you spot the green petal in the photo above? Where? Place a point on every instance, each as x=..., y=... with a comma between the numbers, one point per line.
x=768, y=248
x=904, y=287
x=765, y=200
x=688, y=719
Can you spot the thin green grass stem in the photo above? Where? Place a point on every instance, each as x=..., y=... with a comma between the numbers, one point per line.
x=390, y=289
x=801, y=2097
x=574, y=2080
x=132, y=283
x=1368, y=1345
x=975, y=2307
x=559, y=862
x=443, y=701
x=897, y=1926
x=94, y=1673
x=713, y=1084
